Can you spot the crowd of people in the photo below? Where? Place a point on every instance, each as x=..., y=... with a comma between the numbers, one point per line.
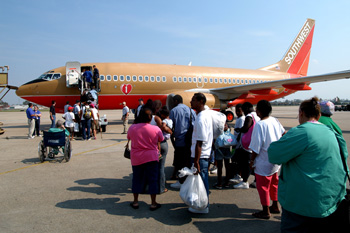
x=308, y=154
x=80, y=120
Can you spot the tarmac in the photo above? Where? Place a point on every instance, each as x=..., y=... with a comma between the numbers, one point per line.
x=92, y=192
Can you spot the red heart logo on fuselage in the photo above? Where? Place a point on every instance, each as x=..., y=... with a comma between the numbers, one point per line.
x=126, y=88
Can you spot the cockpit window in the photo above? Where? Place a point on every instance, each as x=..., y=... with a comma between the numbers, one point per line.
x=50, y=76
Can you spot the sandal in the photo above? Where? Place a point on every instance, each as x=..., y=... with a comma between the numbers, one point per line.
x=165, y=190
x=274, y=210
x=261, y=215
x=135, y=207
x=156, y=207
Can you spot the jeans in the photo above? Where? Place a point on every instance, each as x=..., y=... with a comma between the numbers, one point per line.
x=53, y=121
x=163, y=152
x=37, y=127
x=86, y=125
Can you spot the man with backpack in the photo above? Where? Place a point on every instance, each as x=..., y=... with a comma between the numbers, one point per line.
x=85, y=116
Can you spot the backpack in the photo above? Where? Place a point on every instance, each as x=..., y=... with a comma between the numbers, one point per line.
x=219, y=120
x=87, y=113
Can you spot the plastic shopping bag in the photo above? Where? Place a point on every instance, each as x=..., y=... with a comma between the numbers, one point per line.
x=192, y=191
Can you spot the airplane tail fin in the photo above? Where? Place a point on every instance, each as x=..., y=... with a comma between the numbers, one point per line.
x=296, y=59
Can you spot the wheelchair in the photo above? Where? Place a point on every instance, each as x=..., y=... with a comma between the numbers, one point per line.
x=54, y=143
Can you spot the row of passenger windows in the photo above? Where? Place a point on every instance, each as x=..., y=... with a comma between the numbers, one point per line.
x=141, y=78
x=134, y=78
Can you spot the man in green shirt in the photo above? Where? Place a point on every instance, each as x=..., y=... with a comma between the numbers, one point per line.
x=327, y=110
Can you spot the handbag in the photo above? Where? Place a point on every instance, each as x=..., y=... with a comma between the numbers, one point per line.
x=247, y=137
x=127, y=151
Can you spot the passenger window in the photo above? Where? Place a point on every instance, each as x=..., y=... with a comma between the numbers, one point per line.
x=225, y=80
x=194, y=79
x=109, y=78
x=121, y=77
x=152, y=78
x=115, y=78
x=146, y=78
x=128, y=78
x=158, y=79
x=216, y=80
x=185, y=79
x=205, y=80
x=102, y=77
x=141, y=78
x=229, y=81
x=163, y=79
x=189, y=79
x=200, y=80
x=246, y=81
x=134, y=78
x=174, y=79
x=220, y=80
x=179, y=79
x=242, y=81
x=234, y=81
x=211, y=80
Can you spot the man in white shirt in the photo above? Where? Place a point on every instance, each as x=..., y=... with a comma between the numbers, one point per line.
x=202, y=140
x=125, y=117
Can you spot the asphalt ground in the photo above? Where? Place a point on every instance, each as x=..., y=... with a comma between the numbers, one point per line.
x=92, y=192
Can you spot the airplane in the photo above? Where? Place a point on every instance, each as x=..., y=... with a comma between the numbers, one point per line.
x=223, y=87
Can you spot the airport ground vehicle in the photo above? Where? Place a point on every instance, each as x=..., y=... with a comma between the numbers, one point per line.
x=54, y=143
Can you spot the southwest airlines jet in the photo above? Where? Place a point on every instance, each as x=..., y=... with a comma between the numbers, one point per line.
x=223, y=87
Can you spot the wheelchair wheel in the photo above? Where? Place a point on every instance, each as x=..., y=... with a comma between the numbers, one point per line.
x=67, y=150
x=42, y=151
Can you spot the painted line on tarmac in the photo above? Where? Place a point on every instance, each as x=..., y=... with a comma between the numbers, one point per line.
x=37, y=164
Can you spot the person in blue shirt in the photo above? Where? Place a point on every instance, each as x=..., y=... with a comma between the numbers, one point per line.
x=31, y=120
x=87, y=78
x=37, y=121
x=182, y=117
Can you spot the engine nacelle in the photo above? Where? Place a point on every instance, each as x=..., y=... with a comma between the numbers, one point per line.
x=213, y=101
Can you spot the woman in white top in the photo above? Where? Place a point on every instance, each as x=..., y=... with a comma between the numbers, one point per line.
x=266, y=131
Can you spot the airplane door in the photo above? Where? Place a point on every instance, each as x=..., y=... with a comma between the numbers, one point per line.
x=200, y=82
x=73, y=74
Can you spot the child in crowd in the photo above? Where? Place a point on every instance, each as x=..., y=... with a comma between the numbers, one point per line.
x=69, y=124
x=266, y=131
x=222, y=155
x=166, y=121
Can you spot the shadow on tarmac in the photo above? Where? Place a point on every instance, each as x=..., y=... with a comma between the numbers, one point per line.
x=173, y=214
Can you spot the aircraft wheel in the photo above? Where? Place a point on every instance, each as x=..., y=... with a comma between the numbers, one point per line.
x=42, y=151
x=67, y=150
x=103, y=127
x=229, y=116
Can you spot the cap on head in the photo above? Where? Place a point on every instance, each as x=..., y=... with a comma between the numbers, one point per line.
x=327, y=108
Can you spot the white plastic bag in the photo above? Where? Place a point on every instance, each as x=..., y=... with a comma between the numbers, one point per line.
x=192, y=191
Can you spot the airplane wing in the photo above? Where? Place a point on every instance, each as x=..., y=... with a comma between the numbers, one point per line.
x=290, y=83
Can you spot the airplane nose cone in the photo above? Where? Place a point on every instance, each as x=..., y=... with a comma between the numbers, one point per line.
x=19, y=91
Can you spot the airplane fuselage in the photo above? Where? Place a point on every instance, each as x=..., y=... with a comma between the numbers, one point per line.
x=130, y=81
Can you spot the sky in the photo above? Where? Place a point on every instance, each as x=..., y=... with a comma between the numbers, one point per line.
x=36, y=36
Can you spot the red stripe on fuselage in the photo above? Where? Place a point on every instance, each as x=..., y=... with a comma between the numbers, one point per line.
x=106, y=102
